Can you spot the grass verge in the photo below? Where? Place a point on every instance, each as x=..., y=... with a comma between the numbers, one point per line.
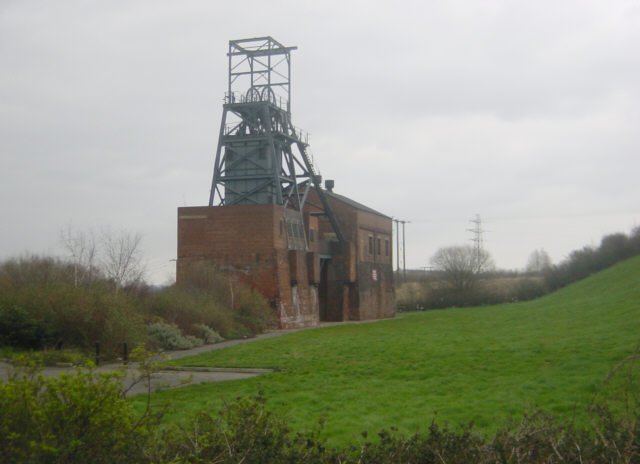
x=483, y=364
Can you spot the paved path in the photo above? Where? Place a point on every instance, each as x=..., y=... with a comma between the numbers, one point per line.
x=173, y=378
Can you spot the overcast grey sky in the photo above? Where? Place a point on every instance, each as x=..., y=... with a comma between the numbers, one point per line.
x=524, y=112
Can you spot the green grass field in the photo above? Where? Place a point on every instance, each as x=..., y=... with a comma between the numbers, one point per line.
x=483, y=364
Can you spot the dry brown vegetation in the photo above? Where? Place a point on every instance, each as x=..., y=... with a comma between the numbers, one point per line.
x=44, y=306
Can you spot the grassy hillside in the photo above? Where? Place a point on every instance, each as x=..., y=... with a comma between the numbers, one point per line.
x=482, y=364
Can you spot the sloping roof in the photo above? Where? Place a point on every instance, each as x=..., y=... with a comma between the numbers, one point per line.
x=353, y=204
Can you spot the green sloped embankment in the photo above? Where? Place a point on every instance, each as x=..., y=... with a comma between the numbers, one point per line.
x=483, y=364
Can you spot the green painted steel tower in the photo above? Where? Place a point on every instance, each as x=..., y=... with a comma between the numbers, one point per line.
x=261, y=157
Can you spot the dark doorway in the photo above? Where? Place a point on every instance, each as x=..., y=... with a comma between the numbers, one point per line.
x=323, y=289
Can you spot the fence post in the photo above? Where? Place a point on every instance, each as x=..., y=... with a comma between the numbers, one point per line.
x=97, y=353
x=125, y=353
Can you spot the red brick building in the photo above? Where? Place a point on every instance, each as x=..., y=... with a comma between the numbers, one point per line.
x=357, y=275
x=298, y=265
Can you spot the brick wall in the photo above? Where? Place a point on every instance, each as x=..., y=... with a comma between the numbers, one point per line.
x=360, y=279
x=250, y=243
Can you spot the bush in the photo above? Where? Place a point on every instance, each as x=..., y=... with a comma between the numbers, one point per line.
x=188, y=307
x=80, y=316
x=20, y=330
x=83, y=417
x=207, y=334
x=33, y=271
x=495, y=288
x=588, y=260
x=61, y=315
x=43, y=305
x=529, y=289
x=169, y=337
x=252, y=310
x=83, y=316
x=72, y=418
x=441, y=444
x=232, y=310
x=243, y=432
x=46, y=308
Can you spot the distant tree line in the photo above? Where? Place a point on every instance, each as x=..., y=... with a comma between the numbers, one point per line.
x=584, y=262
x=466, y=276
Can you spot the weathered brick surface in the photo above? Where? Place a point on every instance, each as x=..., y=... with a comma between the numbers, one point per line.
x=326, y=280
x=355, y=291
x=249, y=243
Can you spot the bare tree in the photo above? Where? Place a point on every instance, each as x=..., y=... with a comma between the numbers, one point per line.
x=122, y=257
x=461, y=266
x=81, y=246
x=539, y=261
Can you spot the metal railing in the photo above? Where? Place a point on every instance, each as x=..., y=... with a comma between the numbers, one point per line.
x=237, y=97
x=295, y=132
